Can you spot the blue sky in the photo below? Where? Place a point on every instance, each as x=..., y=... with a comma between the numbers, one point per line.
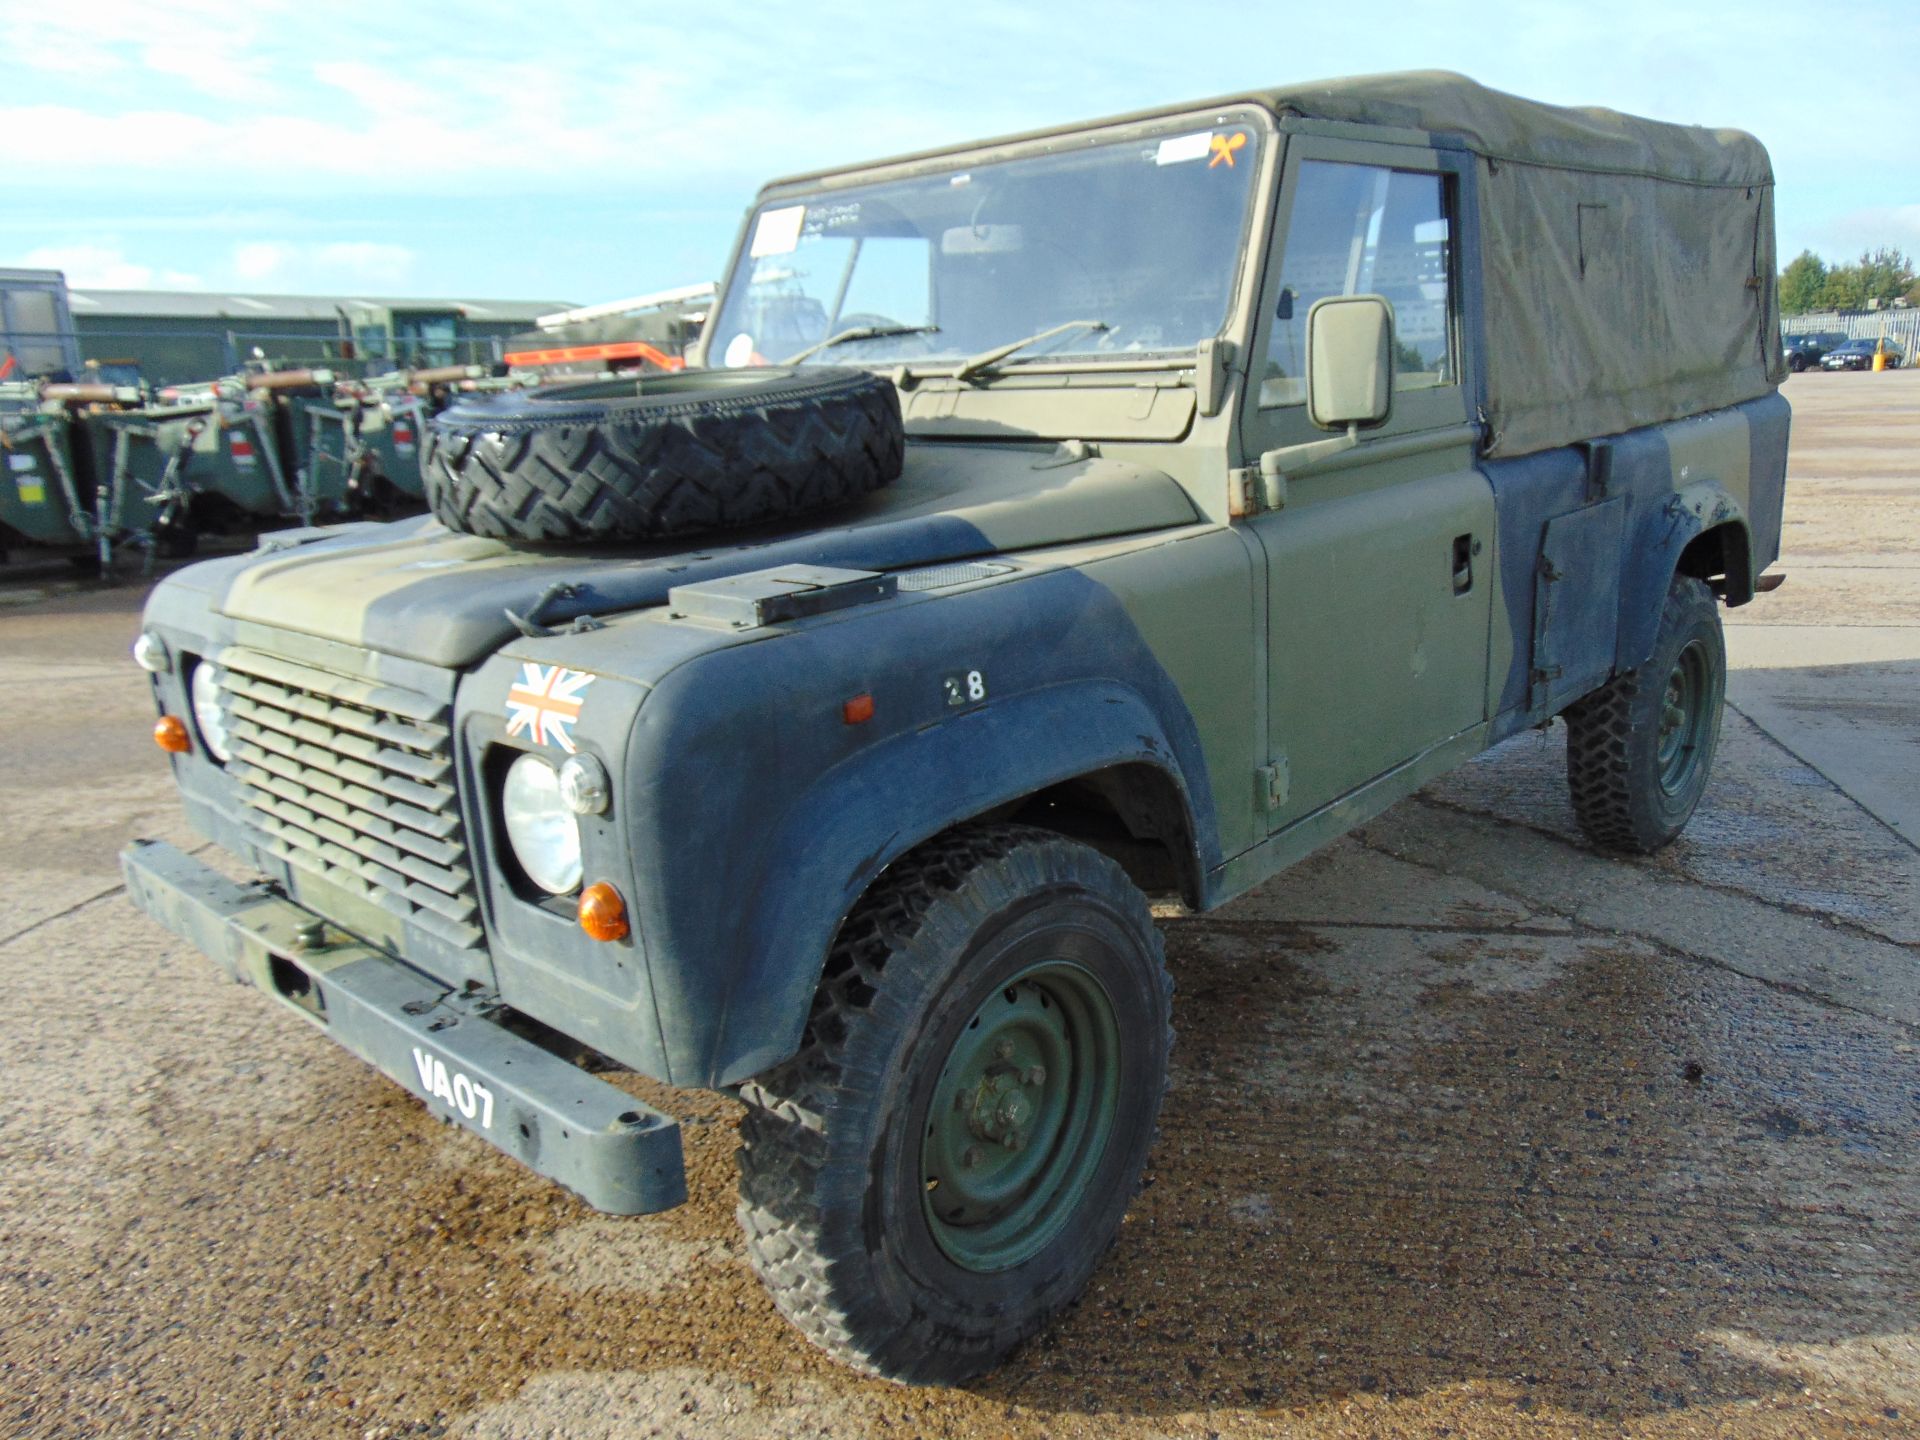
x=590, y=151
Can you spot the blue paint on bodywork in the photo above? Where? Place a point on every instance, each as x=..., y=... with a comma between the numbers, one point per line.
x=1527, y=493
x=741, y=878
x=1531, y=491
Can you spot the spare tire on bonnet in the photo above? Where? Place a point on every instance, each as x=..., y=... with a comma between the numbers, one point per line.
x=661, y=455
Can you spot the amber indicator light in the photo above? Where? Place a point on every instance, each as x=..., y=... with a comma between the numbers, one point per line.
x=170, y=734
x=603, y=914
x=858, y=710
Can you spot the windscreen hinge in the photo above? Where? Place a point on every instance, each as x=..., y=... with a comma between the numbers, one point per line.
x=1212, y=362
x=1243, y=492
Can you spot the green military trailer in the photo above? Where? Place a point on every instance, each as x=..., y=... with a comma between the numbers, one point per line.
x=45, y=498
x=1120, y=510
x=360, y=443
x=62, y=493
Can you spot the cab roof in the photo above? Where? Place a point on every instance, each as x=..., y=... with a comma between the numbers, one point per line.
x=1491, y=123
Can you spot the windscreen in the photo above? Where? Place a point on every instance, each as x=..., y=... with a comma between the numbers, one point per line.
x=1140, y=239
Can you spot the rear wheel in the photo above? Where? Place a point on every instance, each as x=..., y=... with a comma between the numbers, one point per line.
x=939, y=1170
x=1640, y=749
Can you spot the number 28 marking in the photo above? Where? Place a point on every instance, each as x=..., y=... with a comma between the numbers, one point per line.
x=967, y=689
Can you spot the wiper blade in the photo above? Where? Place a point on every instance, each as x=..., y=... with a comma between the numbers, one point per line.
x=987, y=359
x=859, y=332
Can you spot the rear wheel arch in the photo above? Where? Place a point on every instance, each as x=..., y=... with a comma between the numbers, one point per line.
x=1722, y=556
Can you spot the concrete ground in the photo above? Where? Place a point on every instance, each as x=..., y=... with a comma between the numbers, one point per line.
x=1472, y=1131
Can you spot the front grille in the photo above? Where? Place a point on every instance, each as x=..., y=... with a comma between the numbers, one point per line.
x=353, y=781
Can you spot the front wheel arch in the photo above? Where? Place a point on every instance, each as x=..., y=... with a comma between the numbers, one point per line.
x=852, y=826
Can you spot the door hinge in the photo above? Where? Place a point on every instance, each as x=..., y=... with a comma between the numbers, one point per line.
x=1274, y=781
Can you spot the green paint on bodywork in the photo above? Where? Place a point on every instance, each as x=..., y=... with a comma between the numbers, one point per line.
x=1712, y=451
x=1326, y=644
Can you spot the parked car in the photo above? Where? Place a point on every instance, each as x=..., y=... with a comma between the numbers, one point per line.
x=1858, y=355
x=1126, y=509
x=1810, y=348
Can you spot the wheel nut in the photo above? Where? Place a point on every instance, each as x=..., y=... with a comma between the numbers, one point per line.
x=1003, y=1050
x=972, y=1156
x=1034, y=1075
x=1013, y=1140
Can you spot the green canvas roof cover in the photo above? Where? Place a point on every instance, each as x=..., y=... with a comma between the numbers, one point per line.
x=1628, y=264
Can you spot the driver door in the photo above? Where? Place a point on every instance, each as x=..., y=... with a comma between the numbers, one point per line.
x=1380, y=572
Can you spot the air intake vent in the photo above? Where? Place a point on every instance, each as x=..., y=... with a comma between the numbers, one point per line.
x=939, y=577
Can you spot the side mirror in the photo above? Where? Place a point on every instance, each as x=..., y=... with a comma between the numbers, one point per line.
x=1350, y=361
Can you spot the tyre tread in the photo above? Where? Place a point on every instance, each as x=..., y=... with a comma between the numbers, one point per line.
x=1601, y=735
x=599, y=474
x=797, y=1236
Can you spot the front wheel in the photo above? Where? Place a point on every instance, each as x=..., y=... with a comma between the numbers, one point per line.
x=1640, y=748
x=938, y=1171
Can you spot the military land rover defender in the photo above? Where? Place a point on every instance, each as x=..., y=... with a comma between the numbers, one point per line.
x=1122, y=510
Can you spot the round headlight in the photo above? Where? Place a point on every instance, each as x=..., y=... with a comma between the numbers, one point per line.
x=542, y=830
x=209, y=713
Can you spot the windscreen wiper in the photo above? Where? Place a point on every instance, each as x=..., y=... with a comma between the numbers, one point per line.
x=859, y=332
x=987, y=359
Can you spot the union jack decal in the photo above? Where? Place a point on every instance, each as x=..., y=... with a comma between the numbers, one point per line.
x=545, y=702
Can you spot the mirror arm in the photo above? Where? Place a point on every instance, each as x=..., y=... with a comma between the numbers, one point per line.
x=1277, y=465
x=1290, y=462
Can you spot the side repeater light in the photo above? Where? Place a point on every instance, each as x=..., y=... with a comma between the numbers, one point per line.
x=170, y=734
x=603, y=914
x=857, y=711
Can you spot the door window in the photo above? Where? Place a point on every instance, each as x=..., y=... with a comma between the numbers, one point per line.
x=1366, y=230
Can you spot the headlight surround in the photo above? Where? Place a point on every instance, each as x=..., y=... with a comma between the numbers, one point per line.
x=544, y=833
x=209, y=711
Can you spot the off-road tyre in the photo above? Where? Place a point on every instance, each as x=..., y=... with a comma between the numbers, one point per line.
x=660, y=455
x=833, y=1198
x=1628, y=797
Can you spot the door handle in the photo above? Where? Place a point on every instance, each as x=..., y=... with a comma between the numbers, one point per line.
x=1463, y=548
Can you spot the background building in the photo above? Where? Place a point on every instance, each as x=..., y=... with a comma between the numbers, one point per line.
x=174, y=337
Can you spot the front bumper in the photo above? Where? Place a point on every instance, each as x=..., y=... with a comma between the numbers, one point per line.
x=448, y=1048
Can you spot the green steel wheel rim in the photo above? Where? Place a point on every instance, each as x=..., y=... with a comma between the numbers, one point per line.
x=1020, y=1117
x=1683, y=719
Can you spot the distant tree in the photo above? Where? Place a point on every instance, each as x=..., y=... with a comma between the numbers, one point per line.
x=1883, y=275
x=1800, y=283
x=1841, y=290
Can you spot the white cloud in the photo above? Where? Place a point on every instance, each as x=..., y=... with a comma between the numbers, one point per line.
x=220, y=72
x=343, y=264
x=366, y=261
x=249, y=111
x=1845, y=236
x=258, y=261
x=104, y=267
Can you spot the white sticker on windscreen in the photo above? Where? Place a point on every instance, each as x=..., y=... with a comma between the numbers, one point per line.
x=778, y=231
x=1178, y=148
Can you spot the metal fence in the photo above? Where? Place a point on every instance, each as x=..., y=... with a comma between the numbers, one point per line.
x=1900, y=326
